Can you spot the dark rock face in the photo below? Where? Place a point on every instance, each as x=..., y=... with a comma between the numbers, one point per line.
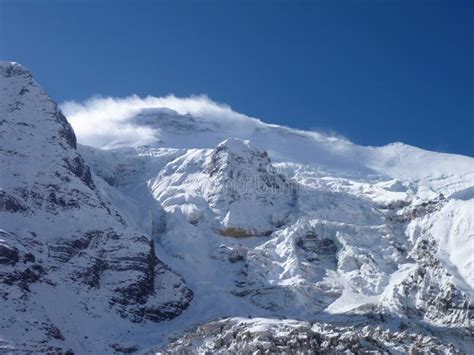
x=404, y=213
x=54, y=332
x=124, y=349
x=8, y=254
x=81, y=170
x=314, y=248
x=64, y=249
x=66, y=132
x=134, y=298
x=17, y=268
x=10, y=203
x=24, y=277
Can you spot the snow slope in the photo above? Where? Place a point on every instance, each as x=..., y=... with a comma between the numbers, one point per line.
x=254, y=220
x=276, y=222
x=198, y=122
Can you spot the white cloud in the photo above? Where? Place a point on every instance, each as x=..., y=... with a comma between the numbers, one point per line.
x=111, y=122
x=106, y=122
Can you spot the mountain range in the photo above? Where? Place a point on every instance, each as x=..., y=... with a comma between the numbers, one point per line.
x=220, y=235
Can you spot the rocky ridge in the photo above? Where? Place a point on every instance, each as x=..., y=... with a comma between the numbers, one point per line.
x=61, y=239
x=268, y=336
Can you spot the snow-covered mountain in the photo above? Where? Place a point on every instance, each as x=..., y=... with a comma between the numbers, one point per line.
x=173, y=244
x=71, y=265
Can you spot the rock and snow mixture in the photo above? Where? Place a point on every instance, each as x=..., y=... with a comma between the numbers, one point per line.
x=71, y=266
x=220, y=236
x=269, y=336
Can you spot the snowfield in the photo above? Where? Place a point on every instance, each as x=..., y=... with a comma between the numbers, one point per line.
x=184, y=226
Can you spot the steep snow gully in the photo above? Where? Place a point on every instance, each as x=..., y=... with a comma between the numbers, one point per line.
x=220, y=233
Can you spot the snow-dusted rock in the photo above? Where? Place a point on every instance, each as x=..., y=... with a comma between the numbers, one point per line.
x=68, y=259
x=233, y=184
x=272, y=336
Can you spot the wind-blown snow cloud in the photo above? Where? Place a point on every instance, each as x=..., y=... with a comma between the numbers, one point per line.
x=106, y=122
x=112, y=122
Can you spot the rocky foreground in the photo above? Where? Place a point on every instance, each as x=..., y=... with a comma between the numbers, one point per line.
x=270, y=336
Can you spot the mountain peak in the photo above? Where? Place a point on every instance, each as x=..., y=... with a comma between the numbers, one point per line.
x=61, y=235
x=236, y=146
x=9, y=69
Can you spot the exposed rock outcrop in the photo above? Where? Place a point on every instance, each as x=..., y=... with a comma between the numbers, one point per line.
x=271, y=336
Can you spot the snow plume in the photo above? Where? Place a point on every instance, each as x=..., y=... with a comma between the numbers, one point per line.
x=109, y=122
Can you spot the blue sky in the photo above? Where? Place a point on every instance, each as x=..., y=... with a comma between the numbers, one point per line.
x=373, y=71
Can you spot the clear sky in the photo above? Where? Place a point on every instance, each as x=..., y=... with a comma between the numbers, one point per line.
x=373, y=71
